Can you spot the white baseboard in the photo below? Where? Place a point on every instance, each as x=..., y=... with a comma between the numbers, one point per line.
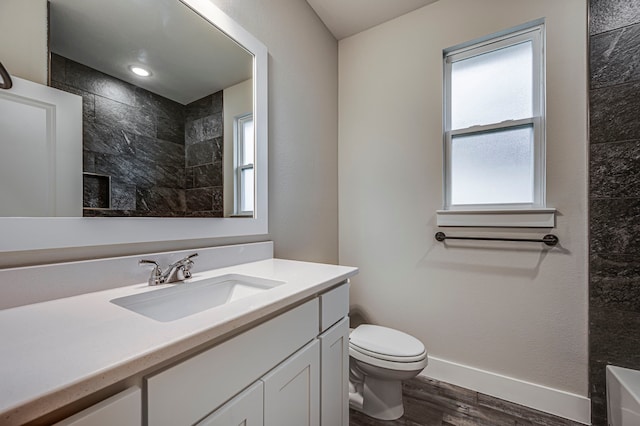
x=542, y=398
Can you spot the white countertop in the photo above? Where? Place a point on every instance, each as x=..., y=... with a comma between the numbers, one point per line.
x=55, y=352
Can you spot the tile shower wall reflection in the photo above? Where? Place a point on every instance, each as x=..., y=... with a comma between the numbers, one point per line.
x=614, y=307
x=204, y=148
x=163, y=158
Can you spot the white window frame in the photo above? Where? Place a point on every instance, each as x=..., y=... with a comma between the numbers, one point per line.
x=497, y=214
x=238, y=154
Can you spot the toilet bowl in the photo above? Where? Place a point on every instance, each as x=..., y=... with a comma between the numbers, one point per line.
x=380, y=358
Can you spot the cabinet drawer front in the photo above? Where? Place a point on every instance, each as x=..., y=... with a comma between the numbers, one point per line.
x=123, y=409
x=291, y=390
x=334, y=375
x=189, y=391
x=246, y=409
x=334, y=305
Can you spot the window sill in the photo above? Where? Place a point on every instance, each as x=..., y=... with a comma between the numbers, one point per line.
x=526, y=218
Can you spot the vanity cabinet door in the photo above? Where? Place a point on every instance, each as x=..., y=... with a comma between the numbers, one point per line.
x=123, y=409
x=245, y=409
x=189, y=391
x=334, y=375
x=292, y=390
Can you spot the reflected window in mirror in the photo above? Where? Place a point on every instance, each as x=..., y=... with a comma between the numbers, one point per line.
x=244, y=143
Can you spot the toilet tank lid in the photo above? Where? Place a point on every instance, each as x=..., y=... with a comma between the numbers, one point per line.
x=385, y=341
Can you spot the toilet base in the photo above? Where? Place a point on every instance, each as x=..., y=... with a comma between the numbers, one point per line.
x=380, y=399
x=376, y=376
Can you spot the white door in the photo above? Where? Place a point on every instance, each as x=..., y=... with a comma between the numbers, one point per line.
x=292, y=390
x=245, y=409
x=40, y=151
x=334, y=375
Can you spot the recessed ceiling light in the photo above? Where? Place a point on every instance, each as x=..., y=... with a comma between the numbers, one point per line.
x=139, y=71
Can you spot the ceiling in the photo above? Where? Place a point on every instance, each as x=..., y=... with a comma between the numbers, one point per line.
x=189, y=57
x=348, y=17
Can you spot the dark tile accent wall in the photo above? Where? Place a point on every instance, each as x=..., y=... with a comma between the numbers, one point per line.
x=204, y=150
x=429, y=402
x=96, y=191
x=614, y=283
x=138, y=139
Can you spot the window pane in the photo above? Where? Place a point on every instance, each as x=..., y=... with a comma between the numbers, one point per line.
x=247, y=142
x=492, y=87
x=492, y=168
x=247, y=190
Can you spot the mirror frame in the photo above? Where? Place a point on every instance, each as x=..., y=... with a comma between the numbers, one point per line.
x=25, y=233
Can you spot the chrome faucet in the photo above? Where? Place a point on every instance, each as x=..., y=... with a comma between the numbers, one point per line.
x=177, y=271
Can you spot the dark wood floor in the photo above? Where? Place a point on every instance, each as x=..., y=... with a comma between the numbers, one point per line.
x=432, y=403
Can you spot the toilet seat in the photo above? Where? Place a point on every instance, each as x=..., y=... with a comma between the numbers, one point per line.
x=387, y=348
x=386, y=357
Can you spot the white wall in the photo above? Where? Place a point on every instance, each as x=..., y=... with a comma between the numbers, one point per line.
x=303, y=132
x=511, y=309
x=237, y=100
x=27, y=22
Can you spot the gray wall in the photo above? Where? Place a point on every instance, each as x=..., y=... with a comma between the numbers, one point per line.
x=614, y=193
x=518, y=311
x=26, y=55
x=303, y=125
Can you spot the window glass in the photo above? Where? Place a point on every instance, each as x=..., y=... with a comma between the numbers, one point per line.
x=247, y=142
x=492, y=87
x=247, y=190
x=493, y=167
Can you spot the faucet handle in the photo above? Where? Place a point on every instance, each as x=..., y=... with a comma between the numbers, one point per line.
x=156, y=273
x=185, y=268
x=188, y=258
x=184, y=261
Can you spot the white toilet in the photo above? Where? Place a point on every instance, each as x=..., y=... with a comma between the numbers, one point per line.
x=380, y=358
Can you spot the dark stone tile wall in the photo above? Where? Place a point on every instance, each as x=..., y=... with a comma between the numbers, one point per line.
x=614, y=283
x=204, y=151
x=138, y=139
x=96, y=192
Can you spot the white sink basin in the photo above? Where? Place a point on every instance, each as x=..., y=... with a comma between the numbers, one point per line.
x=184, y=299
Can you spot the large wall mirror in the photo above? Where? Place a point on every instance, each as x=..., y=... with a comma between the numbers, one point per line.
x=174, y=125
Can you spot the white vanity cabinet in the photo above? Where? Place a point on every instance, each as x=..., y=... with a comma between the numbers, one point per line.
x=334, y=357
x=290, y=370
x=187, y=392
x=334, y=367
x=246, y=409
x=122, y=409
x=273, y=356
x=286, y=396
x=292, y=390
